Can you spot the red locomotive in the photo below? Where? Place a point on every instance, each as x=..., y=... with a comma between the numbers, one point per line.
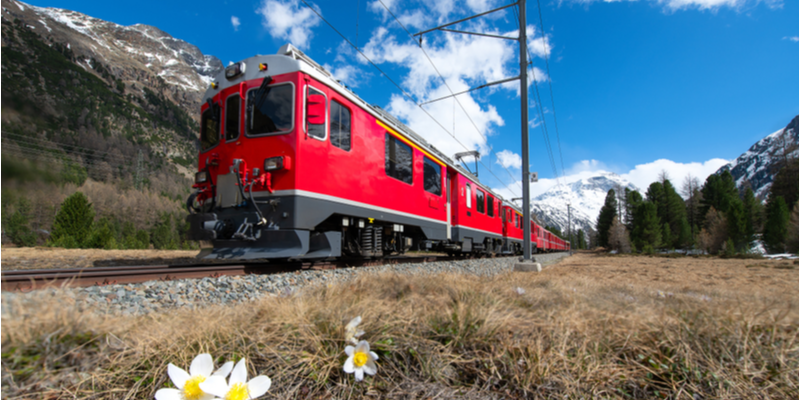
x=294, y=165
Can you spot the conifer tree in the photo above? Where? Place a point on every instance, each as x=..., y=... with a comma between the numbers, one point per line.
x=73, y=221
x=737, y=225
x=786, y=183
x=718, y=192
x=775, y=228
x=633, y=199
x=647, y=231
x=581, y=239
x=606, y=218
x=752, y=214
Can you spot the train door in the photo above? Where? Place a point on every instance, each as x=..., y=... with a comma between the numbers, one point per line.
x=452, y=197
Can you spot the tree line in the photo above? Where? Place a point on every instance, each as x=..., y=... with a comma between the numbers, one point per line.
x=715, y=217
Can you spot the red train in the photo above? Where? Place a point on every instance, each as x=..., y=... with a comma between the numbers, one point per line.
x=294, y=165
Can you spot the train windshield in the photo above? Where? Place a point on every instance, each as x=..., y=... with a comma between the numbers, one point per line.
x=271, y=111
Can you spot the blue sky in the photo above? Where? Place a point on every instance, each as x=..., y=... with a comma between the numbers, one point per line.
x=638, y=86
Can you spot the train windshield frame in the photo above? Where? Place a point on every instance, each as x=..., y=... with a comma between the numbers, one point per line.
x=273, y=114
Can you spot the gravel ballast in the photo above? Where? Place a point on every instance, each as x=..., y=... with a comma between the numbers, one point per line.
x=146, y=297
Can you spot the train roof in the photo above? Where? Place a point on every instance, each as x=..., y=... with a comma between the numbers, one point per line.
x=289, y=59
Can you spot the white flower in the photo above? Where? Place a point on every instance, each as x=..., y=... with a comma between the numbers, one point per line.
x=360, y=360
x=520, y=291
x=350, y=332
x=238, y=387
x=187, y=384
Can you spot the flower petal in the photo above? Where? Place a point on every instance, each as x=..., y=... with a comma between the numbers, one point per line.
x=349, y=365
x=203, y=365
x=373, y=355
x=360, y=374
x=169, y=394
x=359, y=333
x=215, y=385
x=224, y=370
x=258, y=386
x=362, y=347
x=349, y=350
x=353, y=323
x=177, y=375
x=239, y=373
x=370, y=367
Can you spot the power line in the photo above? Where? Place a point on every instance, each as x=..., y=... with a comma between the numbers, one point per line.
x=485, y=139
x=546, y=49
x=398, y=86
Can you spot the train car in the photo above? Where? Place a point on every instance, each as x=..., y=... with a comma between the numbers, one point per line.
x=512, y=229
x=477, y=221
x=293, y=164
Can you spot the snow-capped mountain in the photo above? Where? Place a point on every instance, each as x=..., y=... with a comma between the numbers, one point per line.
x=586, y=197
x=141, y=56
x=760, y=163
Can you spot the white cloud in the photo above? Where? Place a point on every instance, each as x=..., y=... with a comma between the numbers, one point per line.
x=711, y=5
x=640, y=176
x=289, y=20
x=347, y=74
x=508, y=158
x=645, y=174
x=235, y=22
x=792, y=38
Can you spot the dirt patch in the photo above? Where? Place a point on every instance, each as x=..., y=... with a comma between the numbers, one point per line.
x=19, y=258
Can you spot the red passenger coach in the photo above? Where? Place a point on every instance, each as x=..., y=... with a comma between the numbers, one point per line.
x=293, y=164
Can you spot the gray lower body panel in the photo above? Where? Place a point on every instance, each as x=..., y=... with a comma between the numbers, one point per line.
x=291, y=227
x=460, y=233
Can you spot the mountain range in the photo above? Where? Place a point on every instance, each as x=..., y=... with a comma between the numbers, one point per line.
x=755, y=168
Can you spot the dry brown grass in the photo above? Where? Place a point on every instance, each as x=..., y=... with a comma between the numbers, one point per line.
x=590, y=327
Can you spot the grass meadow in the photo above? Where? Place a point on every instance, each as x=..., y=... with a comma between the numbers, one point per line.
x=591, y=326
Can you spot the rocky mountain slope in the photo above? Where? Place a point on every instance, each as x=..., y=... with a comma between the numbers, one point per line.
x=138, y=55
x=103, y=99
x=586, y=197
x=759, y=164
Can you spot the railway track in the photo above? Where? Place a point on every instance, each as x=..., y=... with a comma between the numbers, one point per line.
x=26, y=280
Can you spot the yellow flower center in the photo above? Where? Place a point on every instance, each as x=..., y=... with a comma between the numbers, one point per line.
x=359, y=359
x=191, y=390
x=238, y=392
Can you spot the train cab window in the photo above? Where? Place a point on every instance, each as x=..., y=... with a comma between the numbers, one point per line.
x=490, y=206
x=340, y=126
x=270, y=111
x=469, y=196
x=480, y=202
x=232, y=105
x=399, y=160
x=209, y=128
x=432, y=174
x=316, y=131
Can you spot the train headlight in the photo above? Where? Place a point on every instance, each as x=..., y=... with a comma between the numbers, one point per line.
x=201, y=177
x=234, y=70
x=273, y=164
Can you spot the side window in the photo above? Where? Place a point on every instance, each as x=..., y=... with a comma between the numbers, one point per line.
x=209, y=128
x=469, y=196
x=315, y=130
x=340, y=126
x=232, y=117
x=399, y=160
x=516, y=222
x=490, y=206
x=432, y=175
x=480, y=202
